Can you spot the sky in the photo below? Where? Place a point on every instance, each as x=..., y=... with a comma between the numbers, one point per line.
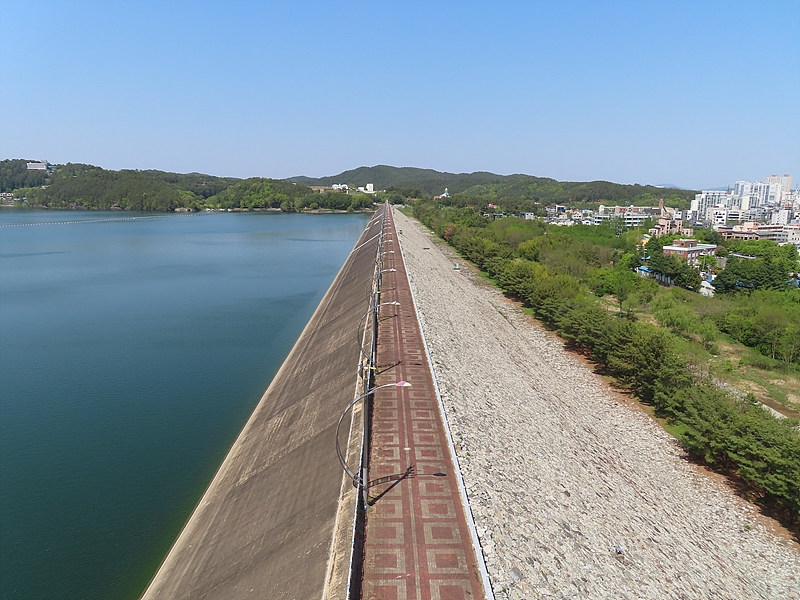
x=692, y=93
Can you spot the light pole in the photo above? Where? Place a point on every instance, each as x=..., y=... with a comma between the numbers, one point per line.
x=359, y=330
x=363, y=478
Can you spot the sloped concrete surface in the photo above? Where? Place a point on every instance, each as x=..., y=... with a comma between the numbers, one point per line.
x=264, y=527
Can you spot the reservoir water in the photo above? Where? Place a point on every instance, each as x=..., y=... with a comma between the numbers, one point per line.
x=133, y=347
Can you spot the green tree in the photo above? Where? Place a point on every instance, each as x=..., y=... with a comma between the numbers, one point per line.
x=623, y=284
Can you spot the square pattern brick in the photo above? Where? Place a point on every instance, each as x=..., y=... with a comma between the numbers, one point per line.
x=388, y=533
x=387, y=560
x=417, y=544
x=441, y=509
x=428, y=453
x=437, y=534
x=426, y=439
x=447, y=561
x=450, y=591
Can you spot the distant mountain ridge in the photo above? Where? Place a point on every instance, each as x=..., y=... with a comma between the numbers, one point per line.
x=88, y=186
x=519, y=189
x=428, y=181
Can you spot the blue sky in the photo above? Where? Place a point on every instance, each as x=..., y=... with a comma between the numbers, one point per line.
x=695, y=93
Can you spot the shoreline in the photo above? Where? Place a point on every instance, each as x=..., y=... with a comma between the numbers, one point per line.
x=315, y=211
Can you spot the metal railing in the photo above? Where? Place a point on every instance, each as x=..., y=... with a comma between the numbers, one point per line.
x=367, y=333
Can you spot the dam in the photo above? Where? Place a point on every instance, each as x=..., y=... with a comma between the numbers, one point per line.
x=342, y=483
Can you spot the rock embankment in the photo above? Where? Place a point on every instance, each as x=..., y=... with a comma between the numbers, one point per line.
x=576, y=494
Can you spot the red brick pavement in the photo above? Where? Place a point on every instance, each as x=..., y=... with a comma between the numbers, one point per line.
x=418, y=545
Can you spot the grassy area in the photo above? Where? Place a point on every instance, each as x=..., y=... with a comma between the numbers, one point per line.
x=777, y=389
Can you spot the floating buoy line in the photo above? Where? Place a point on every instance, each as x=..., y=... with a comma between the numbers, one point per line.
x=81, y=221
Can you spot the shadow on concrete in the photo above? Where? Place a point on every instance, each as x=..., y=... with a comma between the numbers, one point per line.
x=383, y=368
x=397, y=478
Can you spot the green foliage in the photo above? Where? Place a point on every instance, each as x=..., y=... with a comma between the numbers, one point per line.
x=708, y=236
x=518, y=193
x=565, y=252
x=87, y=186
x=765, y=249
x=512, y=232
x=646, y=290
x=517, y=276
x=412, y=181
x=14, y=174
x=771, y=270
x=677, y=269
x=623, y=283
x=262, y=193
x=259, y=192
x=197, y=184
x=512, y=193
x=409, y=193
x=643, y=359
x=77, y=185
x=743, y=438
x=674, y=314
x=766, y=320
x=746, y=275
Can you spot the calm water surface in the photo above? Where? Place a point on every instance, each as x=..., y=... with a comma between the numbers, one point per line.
x=133, y=348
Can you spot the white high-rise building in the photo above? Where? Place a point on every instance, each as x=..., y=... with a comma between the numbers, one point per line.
x=709, y=199
x=743, y=188
x=782, y=216
x=784, y=183
x=762, y=198
x=747, y=201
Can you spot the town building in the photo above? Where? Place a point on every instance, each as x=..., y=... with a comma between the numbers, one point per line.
x=780, y=234
x=782, y=216
x=632, y=216
x=745, y=231
x=689, y=250
x=708, y=200
x=748, y=200
x=670, y=222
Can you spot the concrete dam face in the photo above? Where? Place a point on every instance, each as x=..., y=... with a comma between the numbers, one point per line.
x=266, y=527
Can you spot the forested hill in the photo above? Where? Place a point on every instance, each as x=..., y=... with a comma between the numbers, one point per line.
x=511, y=190
x=75, y=186
x=87, y=186
x=427, y=181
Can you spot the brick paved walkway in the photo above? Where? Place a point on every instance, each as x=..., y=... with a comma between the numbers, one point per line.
x=418, y=545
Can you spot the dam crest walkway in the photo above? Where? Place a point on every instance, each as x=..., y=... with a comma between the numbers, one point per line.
x=280, y=519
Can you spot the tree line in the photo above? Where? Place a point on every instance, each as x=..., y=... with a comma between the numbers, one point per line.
x=511, y=193
x=14, y=174
x=157, y=190
x=86, y=186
